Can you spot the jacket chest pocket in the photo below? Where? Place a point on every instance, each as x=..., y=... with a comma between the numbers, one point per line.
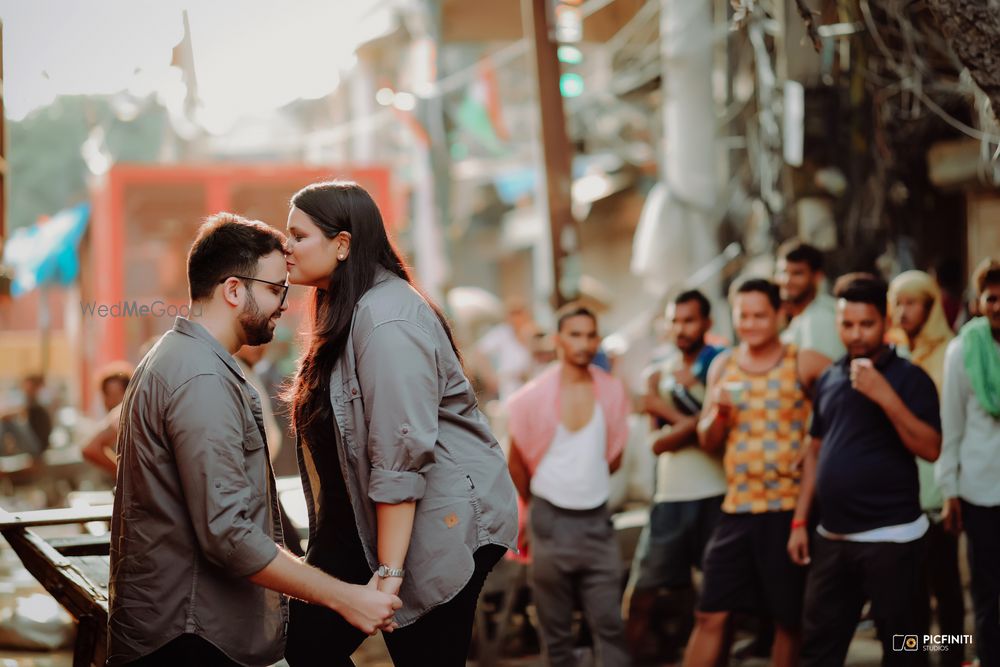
x=255, y=456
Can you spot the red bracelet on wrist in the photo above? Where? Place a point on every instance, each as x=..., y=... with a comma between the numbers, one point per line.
x=799, y=523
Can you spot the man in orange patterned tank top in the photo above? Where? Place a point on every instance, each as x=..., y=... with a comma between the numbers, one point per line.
x=758, y=410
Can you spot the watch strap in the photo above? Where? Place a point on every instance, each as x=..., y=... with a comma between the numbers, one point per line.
x=386, y=571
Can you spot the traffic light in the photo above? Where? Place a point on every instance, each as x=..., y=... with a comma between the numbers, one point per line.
x=569, y=32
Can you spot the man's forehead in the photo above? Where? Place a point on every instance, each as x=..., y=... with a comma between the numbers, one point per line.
x=747, y=301
x=272, y=267
x=793, y=265
x=579, y=322
x=684, y=309
x=856, y=308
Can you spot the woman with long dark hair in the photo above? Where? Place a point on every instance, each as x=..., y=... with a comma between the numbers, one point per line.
x=406, y=487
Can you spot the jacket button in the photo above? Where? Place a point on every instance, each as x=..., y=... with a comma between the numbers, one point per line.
x=405, y=430
x=354, y=392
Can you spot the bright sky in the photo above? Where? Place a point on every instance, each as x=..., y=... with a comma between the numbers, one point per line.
x=251, y=56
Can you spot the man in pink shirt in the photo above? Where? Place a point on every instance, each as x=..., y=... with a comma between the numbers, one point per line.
x=568, y=430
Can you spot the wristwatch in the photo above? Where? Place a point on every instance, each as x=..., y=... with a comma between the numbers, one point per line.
x=386, y=571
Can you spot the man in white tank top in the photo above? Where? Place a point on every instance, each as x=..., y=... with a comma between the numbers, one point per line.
x=568, y=429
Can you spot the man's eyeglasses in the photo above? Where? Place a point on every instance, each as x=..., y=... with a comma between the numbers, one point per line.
x=284, y=286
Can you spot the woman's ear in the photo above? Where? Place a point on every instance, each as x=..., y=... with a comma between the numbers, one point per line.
x=343, y=242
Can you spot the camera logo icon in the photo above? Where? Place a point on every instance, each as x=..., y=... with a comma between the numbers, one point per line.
x=905, y=643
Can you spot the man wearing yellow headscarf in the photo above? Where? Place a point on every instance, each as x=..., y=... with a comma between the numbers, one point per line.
x=922, y=331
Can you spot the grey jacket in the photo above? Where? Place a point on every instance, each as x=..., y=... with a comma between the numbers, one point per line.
x=412, y=431
x=195, y=507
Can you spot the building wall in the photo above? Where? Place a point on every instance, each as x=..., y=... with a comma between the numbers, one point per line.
x=983, y=227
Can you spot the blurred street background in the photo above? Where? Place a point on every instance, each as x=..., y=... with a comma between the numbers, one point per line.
x=524, y=153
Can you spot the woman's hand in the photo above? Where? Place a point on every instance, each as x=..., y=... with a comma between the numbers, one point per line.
x=389, y=585
x=369, y=609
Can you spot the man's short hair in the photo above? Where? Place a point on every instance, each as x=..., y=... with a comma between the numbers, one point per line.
x=987, y=273
x=704, y=305
x=863, y=288
x=573, y=309
x=797, y=250
x=762, y=286
x=228, y=245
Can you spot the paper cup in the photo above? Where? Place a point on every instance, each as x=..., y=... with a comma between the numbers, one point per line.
x=735, y=391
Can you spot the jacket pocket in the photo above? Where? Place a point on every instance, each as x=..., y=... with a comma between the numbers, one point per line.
x=255, y=460
x=252, y=438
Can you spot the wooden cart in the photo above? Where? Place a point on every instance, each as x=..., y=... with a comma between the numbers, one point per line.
x=74, y=570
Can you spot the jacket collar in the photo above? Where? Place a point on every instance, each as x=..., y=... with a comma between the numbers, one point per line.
x=186, y=327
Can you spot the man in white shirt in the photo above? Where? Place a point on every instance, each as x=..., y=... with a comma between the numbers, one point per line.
x=568, y=429
x=969, y=468
x=507, y=361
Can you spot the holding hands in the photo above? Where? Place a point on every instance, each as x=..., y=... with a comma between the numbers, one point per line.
x=369, y=609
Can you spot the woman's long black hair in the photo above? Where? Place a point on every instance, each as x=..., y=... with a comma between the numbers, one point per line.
x=341, y=206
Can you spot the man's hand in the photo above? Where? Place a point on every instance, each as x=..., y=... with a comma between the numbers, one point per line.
x=866, y=379
x=723, y=409
x=650, y=399
x=798, y=546
x=653, y=383
x=684, y=377
x=951, y=514
x=368, y=609
x=522, y=538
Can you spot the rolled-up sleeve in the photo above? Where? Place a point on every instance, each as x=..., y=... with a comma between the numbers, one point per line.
x=397, y=369
x=205, y=427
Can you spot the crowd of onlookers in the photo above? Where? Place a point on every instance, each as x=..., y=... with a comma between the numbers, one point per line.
x=819, y=471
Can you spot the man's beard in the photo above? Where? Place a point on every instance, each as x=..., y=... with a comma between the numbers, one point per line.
x=690, y=345
x=805, y=296
x=255, y=323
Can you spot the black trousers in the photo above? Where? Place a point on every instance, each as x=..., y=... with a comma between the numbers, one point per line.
x=189, y=650
x=982, y=528
x=944, y=582
x=842, y=576
x=318, y=636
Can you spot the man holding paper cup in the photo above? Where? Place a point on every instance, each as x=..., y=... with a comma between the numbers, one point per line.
x=873, y=413
x=757, y=411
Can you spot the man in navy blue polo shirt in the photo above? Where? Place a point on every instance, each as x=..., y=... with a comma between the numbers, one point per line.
x=873, y=412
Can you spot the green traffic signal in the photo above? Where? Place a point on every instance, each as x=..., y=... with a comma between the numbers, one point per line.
x=571, y=84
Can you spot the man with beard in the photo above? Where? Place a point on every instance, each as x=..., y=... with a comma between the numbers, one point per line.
x=568, y=430
x=874, y=412
x=969, y=467
x=916, y=306
x=197, y=573
x=690, y=482
x=811, y=315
